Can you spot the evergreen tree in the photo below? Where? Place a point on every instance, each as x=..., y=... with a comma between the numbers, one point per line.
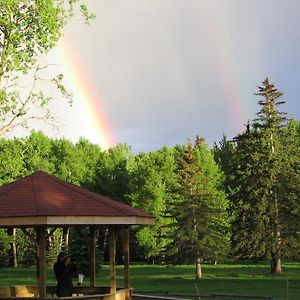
x=289, y=191
x=199, y=210
x=223, y=154
x=261, y=170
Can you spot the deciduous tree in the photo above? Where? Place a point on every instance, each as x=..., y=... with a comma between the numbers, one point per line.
x=151, y=186
x=28, y=30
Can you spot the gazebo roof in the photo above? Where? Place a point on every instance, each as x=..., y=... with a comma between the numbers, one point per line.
x=43, y=199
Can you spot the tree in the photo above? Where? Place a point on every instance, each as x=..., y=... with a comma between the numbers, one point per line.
x=79, y=249
x=215, y=180
x=199, y=209
x=4, y=248
x=75, y=163
x=37, y=152
x=223, y=154
x=289, y=191
x=89, y=154
x=12, y=167
x=28, y=30
x=23, y=156
x=112, y=172
x=151, y=184
x=263, y=168
x=12, y=161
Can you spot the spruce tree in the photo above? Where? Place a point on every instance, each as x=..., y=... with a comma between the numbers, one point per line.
x=261, y=171
x=199, y=210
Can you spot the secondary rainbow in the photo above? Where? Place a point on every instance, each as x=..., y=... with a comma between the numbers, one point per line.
x=230, y=75
x=83, y=89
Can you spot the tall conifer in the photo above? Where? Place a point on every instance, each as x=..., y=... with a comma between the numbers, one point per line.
x=199, y=209
x=259, y=197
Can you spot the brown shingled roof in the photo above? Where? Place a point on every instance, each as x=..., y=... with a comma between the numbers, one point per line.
x=41, y=198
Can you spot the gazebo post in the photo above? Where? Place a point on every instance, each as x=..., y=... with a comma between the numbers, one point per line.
x=112, y=259
x=92, y=256
x=41, y=239
x=125, y=238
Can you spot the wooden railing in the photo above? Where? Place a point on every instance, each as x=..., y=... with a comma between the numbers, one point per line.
x=30, y=292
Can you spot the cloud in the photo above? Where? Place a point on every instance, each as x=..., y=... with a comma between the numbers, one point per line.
x=168, y=70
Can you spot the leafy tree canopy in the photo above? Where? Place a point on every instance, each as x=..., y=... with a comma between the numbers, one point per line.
x=29, y=29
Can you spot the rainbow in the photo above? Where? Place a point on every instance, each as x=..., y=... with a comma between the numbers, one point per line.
x=83, y=91
x=230, y=76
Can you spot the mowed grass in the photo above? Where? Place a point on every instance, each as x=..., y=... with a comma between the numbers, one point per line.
x=251, y=279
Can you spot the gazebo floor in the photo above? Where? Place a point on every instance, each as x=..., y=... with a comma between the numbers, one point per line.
x=30, y=292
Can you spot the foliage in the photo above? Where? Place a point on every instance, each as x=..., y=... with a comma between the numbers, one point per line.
x=55, y=245
x=11, y=162
x=4, y=247
x=75, y=163
x=184, y=187
x=112, y=172
x=28, y=30
x=262, y=169
x=223, y=155
x=289, y=191
x=80, y=251
x=26, y=251
x=21, y=157
x=36, y=153
x=152, y=182
x=199, y=208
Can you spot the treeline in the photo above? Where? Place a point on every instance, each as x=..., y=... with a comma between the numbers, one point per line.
x=236, y=200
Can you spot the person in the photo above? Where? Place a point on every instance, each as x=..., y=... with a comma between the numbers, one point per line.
x=63, y=274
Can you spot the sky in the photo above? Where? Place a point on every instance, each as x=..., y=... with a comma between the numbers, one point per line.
x=151, y=73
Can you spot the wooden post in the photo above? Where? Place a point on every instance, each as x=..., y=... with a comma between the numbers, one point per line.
x=125, y=239
x=92, y=257
x=112, y=259
x=41, y=237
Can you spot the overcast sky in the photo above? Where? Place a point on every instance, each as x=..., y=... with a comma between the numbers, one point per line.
x=165, y=71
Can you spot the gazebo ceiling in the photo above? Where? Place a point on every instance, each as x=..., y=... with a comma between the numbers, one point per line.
x=43, y=199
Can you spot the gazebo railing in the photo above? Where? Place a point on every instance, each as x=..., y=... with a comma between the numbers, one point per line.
x=30, y=292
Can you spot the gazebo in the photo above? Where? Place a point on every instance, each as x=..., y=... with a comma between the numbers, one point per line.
x=43, y=201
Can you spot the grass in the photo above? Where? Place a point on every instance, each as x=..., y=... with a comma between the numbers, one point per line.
x=160, y=280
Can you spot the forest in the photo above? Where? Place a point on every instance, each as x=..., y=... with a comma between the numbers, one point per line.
x=237, y=200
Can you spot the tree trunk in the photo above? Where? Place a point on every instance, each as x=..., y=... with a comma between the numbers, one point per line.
x=105, y=241
x=66, y=232
x=276, y=266
x=13, y=262
x=198, y=269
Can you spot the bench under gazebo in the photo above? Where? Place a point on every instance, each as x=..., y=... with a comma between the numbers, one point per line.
x=42, y=201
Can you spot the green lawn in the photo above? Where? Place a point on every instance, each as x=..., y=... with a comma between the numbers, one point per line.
x=160, y=280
